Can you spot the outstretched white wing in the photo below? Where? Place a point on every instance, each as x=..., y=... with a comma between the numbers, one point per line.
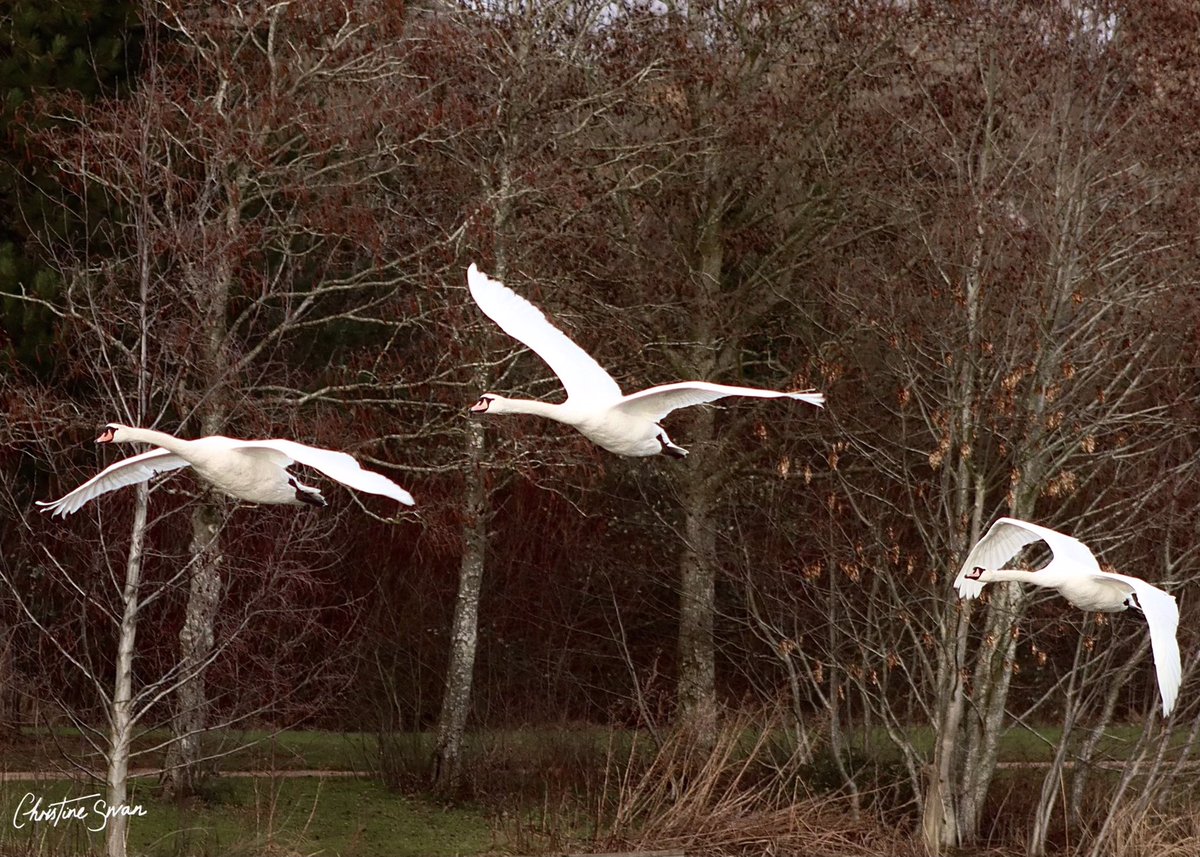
x=128, y=471
x=1007, y=536
x=339, y=466
x=1162, y=615
x=581, y=376
x=656, y=402
x=1005, y=539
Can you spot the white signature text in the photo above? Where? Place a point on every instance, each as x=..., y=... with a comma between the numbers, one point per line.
x=33, y=810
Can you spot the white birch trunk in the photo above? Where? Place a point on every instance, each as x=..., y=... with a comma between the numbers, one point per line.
x=464, y=630
x=121, y=717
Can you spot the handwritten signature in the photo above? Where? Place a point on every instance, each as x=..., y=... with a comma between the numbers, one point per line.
x=32, y=810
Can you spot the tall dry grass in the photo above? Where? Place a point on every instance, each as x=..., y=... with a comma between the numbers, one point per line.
x=736, y=797
x=1151, y=834
x=574, y=790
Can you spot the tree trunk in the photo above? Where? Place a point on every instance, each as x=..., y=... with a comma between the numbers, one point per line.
x=181, y=775
x=993, y=674
x=182, y=772
x=121, y=719
x=1097, y=730
x=940, y=821
x=464, y=634
x=947, y=820
x=697, y=696
x=941, y=824
x=1052, y=784
x=697, y=688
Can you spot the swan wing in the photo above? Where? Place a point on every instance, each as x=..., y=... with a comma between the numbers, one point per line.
x=1004, y=540
x=339, y=466
x=127, y=471
x=1162, y=615
x=656, y=402
x=583, y=378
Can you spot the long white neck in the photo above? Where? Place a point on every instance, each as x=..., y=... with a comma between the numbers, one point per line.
x=559, y=413
x=130, y=434
x=1000, y=575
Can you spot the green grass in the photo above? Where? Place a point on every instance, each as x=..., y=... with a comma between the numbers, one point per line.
x=258, y=750
x=1019, y=744
x=343, y=816
x=254, y=750
x=295, y=750
x=509, y=770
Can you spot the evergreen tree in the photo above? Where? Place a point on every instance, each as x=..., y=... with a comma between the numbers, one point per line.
x=84, y=47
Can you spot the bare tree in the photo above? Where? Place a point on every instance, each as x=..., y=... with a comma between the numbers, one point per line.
x=260, y=142
x=1034, y=188
x=722, y=200
x=246, y=170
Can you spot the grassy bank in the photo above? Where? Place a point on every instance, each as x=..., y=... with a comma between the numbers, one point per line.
x=549, y=790
x=336, y=816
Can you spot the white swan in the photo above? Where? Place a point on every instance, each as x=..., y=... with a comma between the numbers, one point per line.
x=253, y=470
x=626, y=425
x=1074, y=572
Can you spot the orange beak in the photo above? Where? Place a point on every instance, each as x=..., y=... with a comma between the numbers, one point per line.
x=106, y=437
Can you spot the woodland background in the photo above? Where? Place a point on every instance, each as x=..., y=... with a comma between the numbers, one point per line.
x=971, y=225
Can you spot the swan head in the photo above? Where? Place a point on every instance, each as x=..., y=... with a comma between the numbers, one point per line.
x=975, y=574
x=490, y=403
x=113, y=433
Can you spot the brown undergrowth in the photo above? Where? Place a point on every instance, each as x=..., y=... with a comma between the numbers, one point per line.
x=739, y=795
x=1152, y=834
x=579, y=789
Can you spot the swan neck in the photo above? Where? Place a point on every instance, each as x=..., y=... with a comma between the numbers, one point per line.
x=1015, y=575
x=154, y=438
x=541, y=409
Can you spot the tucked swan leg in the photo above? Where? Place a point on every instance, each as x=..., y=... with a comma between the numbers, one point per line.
x=307, y=495
x=669, y=448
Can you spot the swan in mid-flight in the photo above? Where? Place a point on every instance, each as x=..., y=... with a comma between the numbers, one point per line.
x=253, y=470
x=1077, y=576
x=626, y=425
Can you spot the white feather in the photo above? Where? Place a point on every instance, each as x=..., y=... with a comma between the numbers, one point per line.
x=253, y=470
x=626, y=425
x=128, y=471
x=581, y=376
x=1075, y=573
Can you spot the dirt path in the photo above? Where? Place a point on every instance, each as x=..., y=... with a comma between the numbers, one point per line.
x=137, y=773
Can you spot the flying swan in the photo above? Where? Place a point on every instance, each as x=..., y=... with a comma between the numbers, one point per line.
x=254, y=470
x=626, y=425
x=1074, y=572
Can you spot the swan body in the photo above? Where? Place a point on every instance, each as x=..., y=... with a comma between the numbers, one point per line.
x=253, y=470
x=595, y=406
x=1077, y=576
